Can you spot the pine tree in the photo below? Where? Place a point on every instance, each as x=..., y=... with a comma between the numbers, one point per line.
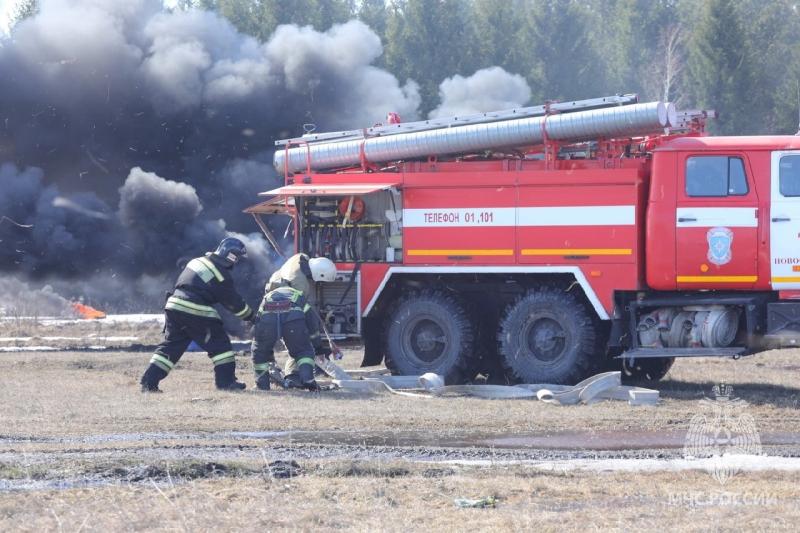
x=25, y=9
x=497, y=24
x=260, y=17
x=720, y=68
x=374, y=13
x=558, y=48
x=428, y=41
x=773, y=36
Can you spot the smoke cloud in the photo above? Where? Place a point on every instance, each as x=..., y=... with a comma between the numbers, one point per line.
x=131, y=138
x=489, y=89
x=18, y=299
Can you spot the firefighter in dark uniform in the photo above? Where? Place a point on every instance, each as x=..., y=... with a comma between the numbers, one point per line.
x=190, y=316
x=285, y=313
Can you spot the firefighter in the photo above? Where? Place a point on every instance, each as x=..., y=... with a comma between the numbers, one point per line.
x=286, y=313
x=189, y=316
x=300, y=272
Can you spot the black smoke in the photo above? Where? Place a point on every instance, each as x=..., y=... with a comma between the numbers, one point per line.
x=131, y=138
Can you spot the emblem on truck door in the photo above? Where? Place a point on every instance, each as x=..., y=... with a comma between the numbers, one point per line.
x=719, y=245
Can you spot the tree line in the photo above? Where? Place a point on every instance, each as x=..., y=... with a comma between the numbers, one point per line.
x=739, y=57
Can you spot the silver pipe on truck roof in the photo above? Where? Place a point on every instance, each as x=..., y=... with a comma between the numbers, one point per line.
x=610, y=122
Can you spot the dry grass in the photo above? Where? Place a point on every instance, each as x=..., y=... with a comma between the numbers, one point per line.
x=78, y=396
x=75, y=393
x=417, y=501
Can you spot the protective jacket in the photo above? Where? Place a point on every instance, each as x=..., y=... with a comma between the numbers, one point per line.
x=279, y=307
x=204, y=282
x=294, y=273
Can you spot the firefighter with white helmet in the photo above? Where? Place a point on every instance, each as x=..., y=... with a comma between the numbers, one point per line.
x=301, y=272
x=286, y=313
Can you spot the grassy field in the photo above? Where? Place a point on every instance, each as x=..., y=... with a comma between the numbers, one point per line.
x=337, y=496
x=82, y=449
x=75, y=393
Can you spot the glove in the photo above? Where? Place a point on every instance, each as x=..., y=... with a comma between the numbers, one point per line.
x=323, y=351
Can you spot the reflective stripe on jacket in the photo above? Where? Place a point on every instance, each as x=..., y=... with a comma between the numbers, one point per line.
x=291, y=274
x=298, y=308
x=204, y=282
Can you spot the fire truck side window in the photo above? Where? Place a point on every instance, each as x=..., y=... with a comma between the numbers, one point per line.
x=789, y=175
x=715, y=176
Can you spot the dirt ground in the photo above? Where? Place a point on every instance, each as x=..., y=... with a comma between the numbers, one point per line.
x=82, y=449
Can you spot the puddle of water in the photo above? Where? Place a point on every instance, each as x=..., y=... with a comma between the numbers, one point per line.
x=28, y=349
x=257, y=434
x=744, y=463
x=93, y=336
x=573, y=440
x=591, y=440
x=617, y=440
x=12, y=485
x=568, y=440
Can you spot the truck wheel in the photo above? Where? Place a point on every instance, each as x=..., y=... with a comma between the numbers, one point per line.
x=647, y=369
x=429, y=331
x=548, y=336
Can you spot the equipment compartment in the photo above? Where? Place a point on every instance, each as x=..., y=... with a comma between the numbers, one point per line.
x=352, y=229
x=338, y=306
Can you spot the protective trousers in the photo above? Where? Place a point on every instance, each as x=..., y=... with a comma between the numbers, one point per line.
x=180, y=329
x=292, y=329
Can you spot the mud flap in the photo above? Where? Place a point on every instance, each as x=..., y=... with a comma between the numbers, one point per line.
x=373, y=347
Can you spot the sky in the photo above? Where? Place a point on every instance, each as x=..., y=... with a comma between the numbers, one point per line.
x=6, y=9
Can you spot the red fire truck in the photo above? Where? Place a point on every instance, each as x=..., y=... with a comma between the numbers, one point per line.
x=543, y=244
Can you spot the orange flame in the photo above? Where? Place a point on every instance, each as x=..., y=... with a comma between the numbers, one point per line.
x=86, y=311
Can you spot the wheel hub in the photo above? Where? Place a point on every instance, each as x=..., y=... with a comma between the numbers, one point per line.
x=546, y=339
x=427, y=339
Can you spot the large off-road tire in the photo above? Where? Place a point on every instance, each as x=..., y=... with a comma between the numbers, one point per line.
x=647, y=369
x=548, y=336
x=430, y=331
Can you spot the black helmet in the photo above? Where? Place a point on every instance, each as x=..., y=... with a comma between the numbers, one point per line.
x=230, y=250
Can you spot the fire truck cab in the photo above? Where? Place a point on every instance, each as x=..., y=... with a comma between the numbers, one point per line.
x=556, y=260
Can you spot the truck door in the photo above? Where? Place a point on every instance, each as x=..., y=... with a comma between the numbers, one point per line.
x=784, y=219
x=716, y=223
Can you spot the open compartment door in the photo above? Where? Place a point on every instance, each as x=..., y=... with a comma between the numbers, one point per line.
x=279, y=205
x=313, y=189
x=347, y=223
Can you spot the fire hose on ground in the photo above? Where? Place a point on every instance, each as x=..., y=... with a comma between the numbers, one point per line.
x=604, y=386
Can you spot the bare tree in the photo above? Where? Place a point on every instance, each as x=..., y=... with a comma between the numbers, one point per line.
x=663, y=73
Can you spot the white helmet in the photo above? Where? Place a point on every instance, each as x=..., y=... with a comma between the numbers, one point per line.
x=322, y=269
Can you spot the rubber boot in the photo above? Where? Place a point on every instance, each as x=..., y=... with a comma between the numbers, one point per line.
x=306, y=375
x=152, y=376
x=292, y=381
x=262, y=381
x=273, y=375
x=225, y=377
